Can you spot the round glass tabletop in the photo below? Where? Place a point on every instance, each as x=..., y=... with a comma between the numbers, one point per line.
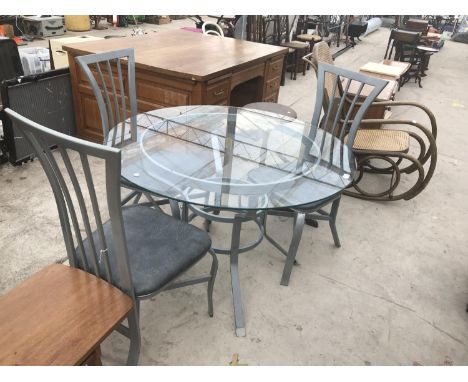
x=234, y=158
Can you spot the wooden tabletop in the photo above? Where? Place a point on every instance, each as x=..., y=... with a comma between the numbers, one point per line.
x=184, y=54
x=57, y=317
x=385, y=95
x=387, y=70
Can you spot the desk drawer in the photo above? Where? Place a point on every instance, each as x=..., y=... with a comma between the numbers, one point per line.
x=272, y=86
x=275, y=68
x=217, y=92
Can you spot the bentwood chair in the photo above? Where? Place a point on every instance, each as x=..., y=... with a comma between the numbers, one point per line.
x=327, y=116
x=115, y=93
x=408, y=151
x=209, y=28
x=139, y=249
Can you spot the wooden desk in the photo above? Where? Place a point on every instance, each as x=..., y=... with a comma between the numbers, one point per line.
x=177, y=68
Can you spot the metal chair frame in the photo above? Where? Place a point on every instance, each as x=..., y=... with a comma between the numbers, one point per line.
x=117, y=127
x=327, y=116
x=71, y=213
x=425, y=138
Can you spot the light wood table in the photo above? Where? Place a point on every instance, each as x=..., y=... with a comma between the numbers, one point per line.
x=176, y=68
x=59, y=316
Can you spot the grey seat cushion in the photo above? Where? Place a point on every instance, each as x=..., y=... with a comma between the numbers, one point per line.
x=160, y=248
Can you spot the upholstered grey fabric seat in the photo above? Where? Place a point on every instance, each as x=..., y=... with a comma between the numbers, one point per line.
x=160, y=247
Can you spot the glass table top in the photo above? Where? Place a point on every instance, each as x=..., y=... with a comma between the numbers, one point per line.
x=234, y=158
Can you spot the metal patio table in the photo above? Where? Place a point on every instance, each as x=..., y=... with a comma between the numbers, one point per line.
x=238, y=161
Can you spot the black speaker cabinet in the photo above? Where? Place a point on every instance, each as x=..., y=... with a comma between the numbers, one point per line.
x=44, y=98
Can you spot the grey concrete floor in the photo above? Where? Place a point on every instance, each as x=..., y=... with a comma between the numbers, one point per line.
x=395, y=293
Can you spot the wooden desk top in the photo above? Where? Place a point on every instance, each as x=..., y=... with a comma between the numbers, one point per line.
x=57, y=316
x=184, y=54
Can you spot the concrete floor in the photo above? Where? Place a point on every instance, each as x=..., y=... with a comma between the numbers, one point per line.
x=395, y=293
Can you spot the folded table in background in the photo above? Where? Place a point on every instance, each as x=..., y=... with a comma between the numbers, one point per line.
x=174, y=68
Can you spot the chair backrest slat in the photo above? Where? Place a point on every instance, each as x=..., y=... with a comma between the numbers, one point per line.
x=81, y=204
x=336, y=122
x=122, y=97
x=59, y=179
x=97, y=214
x=112, y=96
x=329, y=112
x=114, y=93
x=79, y=210
x=41, y=149
x=335, y=113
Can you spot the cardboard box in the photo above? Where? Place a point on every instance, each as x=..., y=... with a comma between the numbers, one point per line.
x=7, y=30
x=59, y=56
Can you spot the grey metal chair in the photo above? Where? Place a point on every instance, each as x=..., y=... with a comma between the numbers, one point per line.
x=139, y=249
x=109, y=82
x=328, y=115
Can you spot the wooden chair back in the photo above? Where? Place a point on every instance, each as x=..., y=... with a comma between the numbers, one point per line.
x=399, y=42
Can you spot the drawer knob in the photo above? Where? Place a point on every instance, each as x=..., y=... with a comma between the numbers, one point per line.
x=219, y=93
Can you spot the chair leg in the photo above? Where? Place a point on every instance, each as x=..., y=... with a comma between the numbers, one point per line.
x=296, y=62
x=304, y=66
x=299, y=220
x=332, y=221
x=94, y=359
x=129, y=197
x=135, y=337
x=264, y=222
x=213, y=272
x=283, y=71
x=137, y=199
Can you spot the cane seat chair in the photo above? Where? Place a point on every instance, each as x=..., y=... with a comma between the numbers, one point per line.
x=408, y=152
x=327, y=115
x=140, y=250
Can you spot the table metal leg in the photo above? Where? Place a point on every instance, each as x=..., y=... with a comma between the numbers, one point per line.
x=185, y=212
x=235, y=284
x=234, y=250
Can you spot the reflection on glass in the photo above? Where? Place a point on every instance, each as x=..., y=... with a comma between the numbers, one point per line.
x=235, y=158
